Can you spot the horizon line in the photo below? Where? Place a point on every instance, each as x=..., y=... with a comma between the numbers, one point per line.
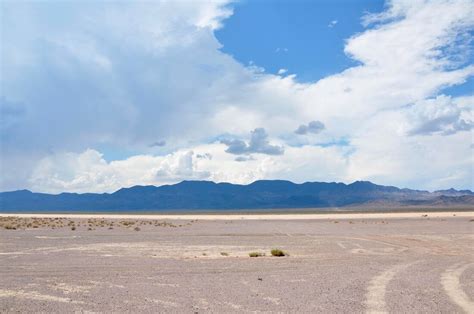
x=238, y=184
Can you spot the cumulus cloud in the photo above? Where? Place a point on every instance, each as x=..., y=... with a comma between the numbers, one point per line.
x=179, y=167
x=89, y=171
x=312, y=127
x=105, y=68
x=258, y=143
x=440, y=115
x=88, y=79
x=282, y=71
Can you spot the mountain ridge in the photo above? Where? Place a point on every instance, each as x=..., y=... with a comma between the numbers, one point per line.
x=261, y=194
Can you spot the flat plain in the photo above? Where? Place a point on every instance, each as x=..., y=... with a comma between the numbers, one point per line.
x=418, y=262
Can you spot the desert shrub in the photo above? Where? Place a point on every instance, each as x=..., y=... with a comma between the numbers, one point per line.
x=256, y=254
x=224, y=254
x=10, y=227
x=137, y=229
x=73, y=228
x=277, y=252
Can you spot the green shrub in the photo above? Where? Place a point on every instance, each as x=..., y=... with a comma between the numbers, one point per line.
x=278, y=252
x=256, y=254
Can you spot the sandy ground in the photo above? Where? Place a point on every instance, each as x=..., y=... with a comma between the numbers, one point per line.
x=421, y=262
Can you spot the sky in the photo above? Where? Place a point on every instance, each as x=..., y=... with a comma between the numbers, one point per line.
x=95, y=96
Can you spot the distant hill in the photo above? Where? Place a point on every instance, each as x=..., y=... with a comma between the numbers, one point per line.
x=265, y=194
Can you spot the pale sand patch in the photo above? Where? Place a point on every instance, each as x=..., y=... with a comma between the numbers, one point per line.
x=108, y=284
x=165, y=303
x=275, y=301
x=14, y=253
x=48, y=237
x=152, y=250
x=34, y=295
x=452, y=286
x=233, y=305
x=250, y=216
x=160, y=284
x=68, y=288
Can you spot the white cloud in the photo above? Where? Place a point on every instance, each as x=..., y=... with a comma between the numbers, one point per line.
x=332, y=23
x=88, y=171
x=281, y=50
x=312, y=127
x=127, y=74
x=391, y=157
x=258, y=143
x=440, y=115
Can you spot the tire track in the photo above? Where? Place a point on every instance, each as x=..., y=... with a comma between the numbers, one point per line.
x=450, y=280
x=377, y=289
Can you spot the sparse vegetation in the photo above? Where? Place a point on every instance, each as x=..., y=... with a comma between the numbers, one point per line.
x=277, y=252
x=224, y=254
x=15, y=223
x=256, y=254
x=137, y=229
x=10, y=227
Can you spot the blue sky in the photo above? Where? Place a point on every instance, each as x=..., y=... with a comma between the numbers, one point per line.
x=304, y=37
x=462, y=89
x=102, y=95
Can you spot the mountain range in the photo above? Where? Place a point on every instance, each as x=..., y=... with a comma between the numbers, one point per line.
x=263, y=194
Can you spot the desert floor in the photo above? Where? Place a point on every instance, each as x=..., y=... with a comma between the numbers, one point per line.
x=422, y=262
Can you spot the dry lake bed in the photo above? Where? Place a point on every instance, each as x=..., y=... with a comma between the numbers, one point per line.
x=420, y=262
